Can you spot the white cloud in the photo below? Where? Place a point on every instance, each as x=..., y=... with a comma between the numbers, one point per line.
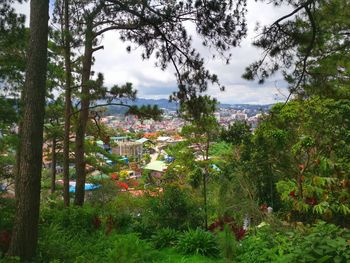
x=119, y=67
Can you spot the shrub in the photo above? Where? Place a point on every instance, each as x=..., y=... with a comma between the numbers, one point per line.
x=123, y=211
x=7, y=208
x=130, y=249
x=198, y=242
x=227, y=243
x=74, y=219
x=320, y=243
x=57, y=243
x=176, y=208
x=267, y=245
x=165, y=237
x=324, y=243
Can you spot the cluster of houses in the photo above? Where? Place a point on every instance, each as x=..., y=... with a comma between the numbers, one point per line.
x=131, y=153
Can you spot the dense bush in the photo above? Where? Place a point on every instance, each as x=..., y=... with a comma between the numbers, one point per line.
x=165, y=237
x=74, y=219
x=320, y=243
x=176, y=208
x=266, y=245
x=198, y=242
x=124, y=212
x=227, y=243
x=61, y=245
x=7, y=212
x=7, y=208
x=130, y=249
x=324, y=243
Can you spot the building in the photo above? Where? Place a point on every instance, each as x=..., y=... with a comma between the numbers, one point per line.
x=129, y=149
x=157, y=168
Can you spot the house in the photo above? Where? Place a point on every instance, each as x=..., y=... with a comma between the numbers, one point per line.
x=129, y=149
x=157, y=168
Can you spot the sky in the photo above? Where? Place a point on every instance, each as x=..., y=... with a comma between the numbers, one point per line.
x=119, y=66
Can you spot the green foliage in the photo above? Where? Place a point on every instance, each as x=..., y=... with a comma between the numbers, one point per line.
x=165, y=237
x=227, y=244
x=146, y=112
x=321, y=243
x=221, y=153
x=60, y=245
x=198, y=242
x=8, y=112
x=324, y=243
x=130, y=249
x=237, y=133
x=267, y=245
x=123, y=212
x=12, y=45
x=320, y=61
x=298, y=159
x=104, y=195
x=76, y=219
x=176, y=208
x=172, y=256
x=7, y=208
x=10, y=260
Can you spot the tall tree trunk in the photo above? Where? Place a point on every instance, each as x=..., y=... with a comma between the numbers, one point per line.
x=83, y=117
x=67, y=111
x=25, y=231
x=205, y=178
x=53, y=168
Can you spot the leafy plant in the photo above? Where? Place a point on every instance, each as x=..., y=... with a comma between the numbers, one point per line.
x=165, y=237
x=321, y=243
x=227, y=243
x=324, y=243
x=131, y=249
x=266, y=245
x=198, y=242
x=176, y=208
x=76, y=219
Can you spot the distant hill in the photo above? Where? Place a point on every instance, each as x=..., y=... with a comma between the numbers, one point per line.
x=165, y=104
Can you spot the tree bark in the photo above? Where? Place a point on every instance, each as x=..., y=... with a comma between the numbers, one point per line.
x=53, y=168
x=205, y=178
x=83, y=117
x=25, y=231
x=67, y=111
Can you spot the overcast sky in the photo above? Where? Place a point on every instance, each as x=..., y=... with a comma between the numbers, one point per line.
x=119, y=67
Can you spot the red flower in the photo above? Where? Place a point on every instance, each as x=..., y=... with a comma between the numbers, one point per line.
x=122, y=185
x=292, y=194
x=219, y=224
x=134, y=183
x=240, y=233
x=311, y=201
x=114, y=176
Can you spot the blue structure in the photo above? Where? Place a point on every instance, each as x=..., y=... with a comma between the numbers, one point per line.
x=169, y=159
x=88, y=187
